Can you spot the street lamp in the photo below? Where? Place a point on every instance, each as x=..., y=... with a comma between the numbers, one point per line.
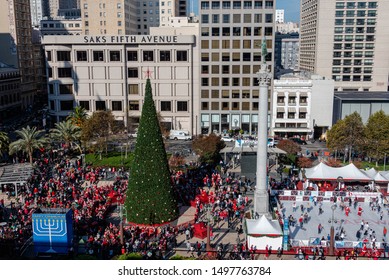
x=332, y=231
x=208, y=208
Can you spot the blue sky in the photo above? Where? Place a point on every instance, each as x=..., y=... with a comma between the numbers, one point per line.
x=291, y=7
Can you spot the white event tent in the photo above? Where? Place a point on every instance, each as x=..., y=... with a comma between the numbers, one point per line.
x=262, y=232
x=327, y=173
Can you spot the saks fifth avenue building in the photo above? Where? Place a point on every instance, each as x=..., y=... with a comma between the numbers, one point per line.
x=110, y=72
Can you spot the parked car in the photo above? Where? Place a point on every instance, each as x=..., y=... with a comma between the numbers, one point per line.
x=227, y=139
x=179, y=135
x=298, y=141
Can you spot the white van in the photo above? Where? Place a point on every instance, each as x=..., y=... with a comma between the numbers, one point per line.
x=179, y=135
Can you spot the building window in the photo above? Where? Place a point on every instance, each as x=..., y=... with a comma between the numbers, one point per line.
x=100, y=106
x=215, y=106
x=204, y=106
x=65, y=72
x=182, y=106
x=148, y=56
x=133, y=72
x=204, y=81
x=85, y=105
x=182, y=55
x=63, y=55
x=133, y=89
x=98, y=55
x=164, y=55
x=236, y=94
x=114, y=55
x=204, y=93
x=66, y=105
x=51, y=89
x=117, y=106
x=49, y=72
x=65, y=89
x=166, y=106
x=132, y=56
x=82, y=56
x=48, y=55
x=133, y=105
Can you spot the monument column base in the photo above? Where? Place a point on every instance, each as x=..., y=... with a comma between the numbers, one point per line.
x=261, y=204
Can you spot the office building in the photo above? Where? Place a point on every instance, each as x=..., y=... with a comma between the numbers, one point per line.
x=286, y=51
x=231, y=36
x=171, y=8
x=10, y=98
x=287, y=27
x=61, y=27
x=280, y=16
x=56, y=8
x=16, y=46
x=346, y=41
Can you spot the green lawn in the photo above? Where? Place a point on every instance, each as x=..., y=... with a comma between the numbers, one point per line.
x=112, y=159
x=368, y=165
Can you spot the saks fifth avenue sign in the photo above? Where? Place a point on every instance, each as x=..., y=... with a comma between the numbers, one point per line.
x=131, y=39
x=119, y=39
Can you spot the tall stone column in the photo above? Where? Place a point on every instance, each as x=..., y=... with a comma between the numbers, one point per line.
x=261, y=195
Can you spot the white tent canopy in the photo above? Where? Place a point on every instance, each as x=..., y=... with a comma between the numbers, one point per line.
x=376, y=176
x=384, y=174
x=324, y=172
x=263, y=232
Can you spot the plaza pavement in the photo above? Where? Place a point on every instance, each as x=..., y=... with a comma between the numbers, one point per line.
x=350, y=223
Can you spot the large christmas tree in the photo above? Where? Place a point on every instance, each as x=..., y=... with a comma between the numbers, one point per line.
x=150, y=198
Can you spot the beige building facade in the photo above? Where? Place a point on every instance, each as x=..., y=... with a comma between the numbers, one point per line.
x=109, y=72
x=231, y=36
x=347, y=42
x=16, y=48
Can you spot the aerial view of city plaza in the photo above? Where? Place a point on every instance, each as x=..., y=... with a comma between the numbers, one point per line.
x=194, y=130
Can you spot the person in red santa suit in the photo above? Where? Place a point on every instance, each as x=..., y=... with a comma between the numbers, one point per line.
x=360, y=210
x=347, y=210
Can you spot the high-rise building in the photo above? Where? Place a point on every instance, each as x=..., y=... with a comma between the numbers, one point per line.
x=346, y=41
x=280, y=16
x=55, y=8
x=37, y=12
x=107, y=17
x=286, y=51
x=16, y=48
x=231, y=36
x=171, y=8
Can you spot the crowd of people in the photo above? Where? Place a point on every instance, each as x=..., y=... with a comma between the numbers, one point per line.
x=59, y=182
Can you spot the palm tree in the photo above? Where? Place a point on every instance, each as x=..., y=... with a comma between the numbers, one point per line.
x=78, y=116
x=4, y=143
x=30, y=140
x=67, y=132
